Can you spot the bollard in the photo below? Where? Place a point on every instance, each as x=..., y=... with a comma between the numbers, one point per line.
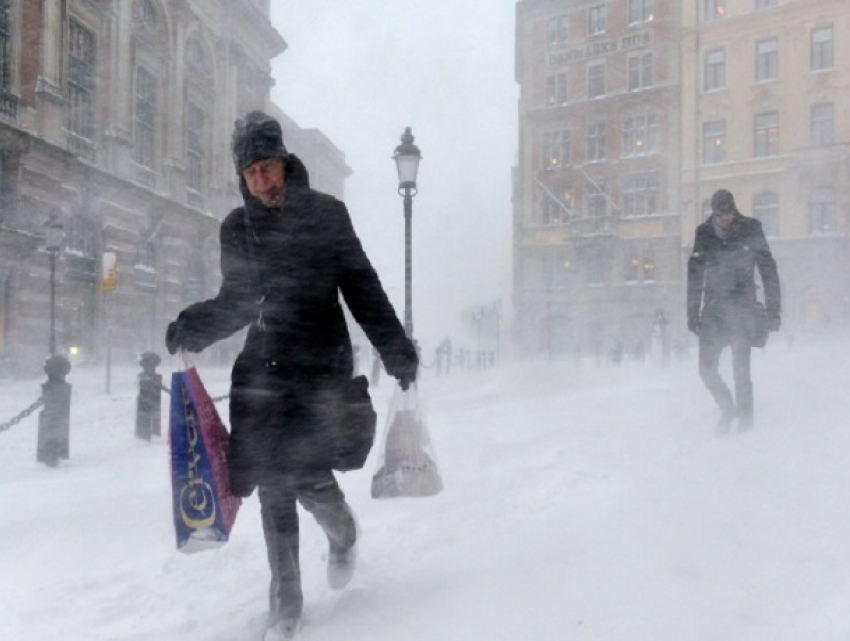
x=54, y=421
x=149, y=401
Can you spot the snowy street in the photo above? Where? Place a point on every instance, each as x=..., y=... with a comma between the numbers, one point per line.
x=580, y=502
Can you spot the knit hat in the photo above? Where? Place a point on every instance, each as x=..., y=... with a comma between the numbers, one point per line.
x=722, y=202
x=255, y=137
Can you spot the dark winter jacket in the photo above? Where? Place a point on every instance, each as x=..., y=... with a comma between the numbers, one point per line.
x=282, y=272
x=721, y=277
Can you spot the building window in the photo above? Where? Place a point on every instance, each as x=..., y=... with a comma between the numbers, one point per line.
x=194, y=146
x=823, y=124
x=145, y=135
x=640, y=194
x=597, y=142
x=557, y=88
x=715, y=70
x=641, y=11
x=597, y=20
x=822, y=50
x=767, y=60
x=596, y=80
x=597, y=198
x=764, y=4
x=766, y=134
x=714, y=9
x=81, y=80
x=556, y=205
x=822, y=212
x=713, y=142
x=640, y=133
x=640, y=72
x=558, y=30
x=556, y=149
x=5, y=46
x=766, y=210
x=648, y=266
x=149, y=14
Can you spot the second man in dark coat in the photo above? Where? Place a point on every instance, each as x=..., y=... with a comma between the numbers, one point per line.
x=721, y=306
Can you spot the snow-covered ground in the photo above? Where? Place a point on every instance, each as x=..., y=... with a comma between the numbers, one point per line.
x=580, y=502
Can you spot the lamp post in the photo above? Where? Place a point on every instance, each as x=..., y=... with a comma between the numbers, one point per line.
x=53, y=242
x=407, y=157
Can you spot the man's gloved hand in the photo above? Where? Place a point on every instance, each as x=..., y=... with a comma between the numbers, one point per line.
x=774, y=322
x=693, y=324
x=179, y=336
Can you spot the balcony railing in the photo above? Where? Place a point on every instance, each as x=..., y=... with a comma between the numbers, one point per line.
x=8, y=107
x=82, y=147
x=592, y=226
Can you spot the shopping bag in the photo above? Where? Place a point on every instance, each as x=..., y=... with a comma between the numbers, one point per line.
x=407, y=464
x=203, y=507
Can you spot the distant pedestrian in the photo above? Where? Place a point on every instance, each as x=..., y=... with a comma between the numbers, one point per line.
x=728, y=248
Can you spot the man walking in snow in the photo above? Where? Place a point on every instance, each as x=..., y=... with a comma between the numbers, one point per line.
x=286, y=255
x=721, y=302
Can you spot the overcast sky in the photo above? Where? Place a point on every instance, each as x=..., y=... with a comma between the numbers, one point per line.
x=363, y=70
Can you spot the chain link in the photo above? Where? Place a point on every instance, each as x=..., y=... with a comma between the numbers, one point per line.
x=10, y=424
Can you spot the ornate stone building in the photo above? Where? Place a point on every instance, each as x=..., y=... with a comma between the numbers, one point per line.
x=117, y=115
x=632, y=113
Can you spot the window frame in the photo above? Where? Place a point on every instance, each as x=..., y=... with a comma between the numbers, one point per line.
x=717, y=138
x=597, y=20
x=81, y=79
x=822, y=52
x=714, y=71
x=766, y=134
x=767, y=61
x=596, y=72
x=822, y=129
x=766, y=211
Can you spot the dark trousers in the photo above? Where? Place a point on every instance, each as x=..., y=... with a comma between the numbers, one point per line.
x=319, y=494
x=710, y=348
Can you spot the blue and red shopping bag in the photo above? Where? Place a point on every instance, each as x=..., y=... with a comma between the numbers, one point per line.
x=204, y=508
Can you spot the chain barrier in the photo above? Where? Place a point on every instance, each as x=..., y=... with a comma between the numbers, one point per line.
x=10, y=424
x=214, y=399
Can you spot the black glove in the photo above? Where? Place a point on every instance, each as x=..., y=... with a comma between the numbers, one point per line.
x=179, y=336
x=774, y=322
x=693, y=324
x=403, y=365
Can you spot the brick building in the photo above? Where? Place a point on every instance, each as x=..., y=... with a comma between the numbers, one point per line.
x=631, y=114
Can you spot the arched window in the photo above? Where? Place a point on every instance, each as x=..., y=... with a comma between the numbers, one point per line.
x=766, y=209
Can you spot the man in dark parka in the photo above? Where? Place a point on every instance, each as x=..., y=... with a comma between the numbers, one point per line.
x=286, y=255
x=728, y=247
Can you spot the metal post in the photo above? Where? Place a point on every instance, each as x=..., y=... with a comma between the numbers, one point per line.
x=54, y=421
x=52, y=303
x=408, y=263
x=108, y=305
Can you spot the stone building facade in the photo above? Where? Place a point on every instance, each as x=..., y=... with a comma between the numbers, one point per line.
x=632, y=113
x=116, y=115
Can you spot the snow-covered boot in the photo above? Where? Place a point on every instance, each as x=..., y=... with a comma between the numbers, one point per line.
x=282, y=630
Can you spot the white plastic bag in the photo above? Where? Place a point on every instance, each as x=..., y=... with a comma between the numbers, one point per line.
x=407, y=464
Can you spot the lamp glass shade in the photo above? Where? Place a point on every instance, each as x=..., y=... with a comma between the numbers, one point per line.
x=408, y=168
x=55, y=234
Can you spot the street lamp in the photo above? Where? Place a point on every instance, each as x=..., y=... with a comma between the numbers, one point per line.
x=53, y=242
x=407, y=157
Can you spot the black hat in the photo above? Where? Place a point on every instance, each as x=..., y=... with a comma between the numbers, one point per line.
x=722, y=202
x=255, y=137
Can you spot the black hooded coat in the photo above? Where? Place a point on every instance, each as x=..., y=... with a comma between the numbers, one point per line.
x=282, y=272
x=721, y=278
